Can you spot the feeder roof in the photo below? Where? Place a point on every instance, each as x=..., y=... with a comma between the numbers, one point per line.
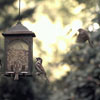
x=19, y=29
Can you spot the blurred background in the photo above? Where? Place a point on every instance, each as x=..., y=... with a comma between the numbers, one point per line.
x=72, y=68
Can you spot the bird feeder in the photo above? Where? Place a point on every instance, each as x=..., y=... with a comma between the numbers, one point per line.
x=18, y=53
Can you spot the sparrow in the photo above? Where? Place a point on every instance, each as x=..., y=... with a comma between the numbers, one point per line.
x=39, y=68
x=83, y=37
x=16, y=70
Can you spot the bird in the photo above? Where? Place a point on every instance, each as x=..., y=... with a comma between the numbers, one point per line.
x=39, y=68
x=83, y=37
x=16, y=70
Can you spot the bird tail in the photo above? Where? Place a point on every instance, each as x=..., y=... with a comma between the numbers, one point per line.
x=16, y=76
x=46, y=78
x=91, y=44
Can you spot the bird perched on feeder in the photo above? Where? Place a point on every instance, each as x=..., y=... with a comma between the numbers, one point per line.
x=39, y=67
x=83, y=36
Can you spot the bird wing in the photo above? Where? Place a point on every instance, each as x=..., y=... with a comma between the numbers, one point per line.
x=42, y=68
x=83, y=36
x=80, y=38
x=39, y=67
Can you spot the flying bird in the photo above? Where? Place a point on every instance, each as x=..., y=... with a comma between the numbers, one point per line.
x=83, y=36
x=39, y=68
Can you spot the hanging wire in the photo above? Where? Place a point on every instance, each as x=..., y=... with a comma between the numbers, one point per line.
x=19, y=11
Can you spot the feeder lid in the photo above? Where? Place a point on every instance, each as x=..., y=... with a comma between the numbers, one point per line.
x=19, y=29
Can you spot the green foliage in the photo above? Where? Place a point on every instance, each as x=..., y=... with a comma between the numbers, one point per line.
x=26, y=88
x=84, y=78
x=15, y=90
